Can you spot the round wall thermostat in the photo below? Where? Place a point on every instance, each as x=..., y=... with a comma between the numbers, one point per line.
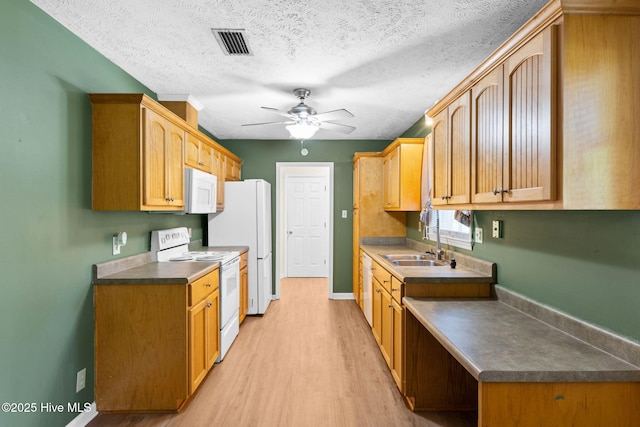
x=304, y=151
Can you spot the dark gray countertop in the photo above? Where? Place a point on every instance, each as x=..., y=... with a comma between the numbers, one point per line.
x=497, y=343
x=139, y=269
x=482, y=271
x=160, y=273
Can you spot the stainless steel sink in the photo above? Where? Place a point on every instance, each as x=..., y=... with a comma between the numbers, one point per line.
x=413, y=260
x=408, y=257
x=418, y=263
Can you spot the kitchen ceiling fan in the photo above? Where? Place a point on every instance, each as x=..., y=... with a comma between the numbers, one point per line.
x=303, y=121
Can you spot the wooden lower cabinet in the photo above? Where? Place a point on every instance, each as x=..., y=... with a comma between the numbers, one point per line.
x=389, y=317
x=244, y=285
x=397, y=343
x=204, y=338
x=154, y=343
x=388, y=314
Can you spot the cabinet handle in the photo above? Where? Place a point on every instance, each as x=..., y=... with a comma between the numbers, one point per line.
x=209, y=304
x=378, y=290
x=208, y=285
x=499, y=191
x=395, y=289
x=390, y=306
x=385, y=281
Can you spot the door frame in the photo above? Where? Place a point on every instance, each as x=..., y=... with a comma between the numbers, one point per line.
x=283, y=169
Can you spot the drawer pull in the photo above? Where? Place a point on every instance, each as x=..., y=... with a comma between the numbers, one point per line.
x=208, y=285
x=395, y=289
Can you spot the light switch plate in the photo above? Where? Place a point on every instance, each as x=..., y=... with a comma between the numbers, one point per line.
x=344, y=213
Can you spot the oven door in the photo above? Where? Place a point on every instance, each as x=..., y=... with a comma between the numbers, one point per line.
x=229, y=291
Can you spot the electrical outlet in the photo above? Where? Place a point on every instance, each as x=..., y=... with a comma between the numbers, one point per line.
x=478, y=234
x=81, y=377
x=497, y=229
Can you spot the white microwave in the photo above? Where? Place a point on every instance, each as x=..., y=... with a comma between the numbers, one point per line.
x=199, y=191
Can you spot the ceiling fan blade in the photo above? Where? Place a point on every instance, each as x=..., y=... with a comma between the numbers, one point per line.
x=337, y=127
x=275, y=110
x=334, y=115
x=269, y=123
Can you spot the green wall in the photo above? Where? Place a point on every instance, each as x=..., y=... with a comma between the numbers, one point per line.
x=50, y=235
x=259, y=161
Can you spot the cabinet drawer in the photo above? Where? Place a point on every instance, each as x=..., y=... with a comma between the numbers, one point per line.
x=202, y=287
x=381, y=275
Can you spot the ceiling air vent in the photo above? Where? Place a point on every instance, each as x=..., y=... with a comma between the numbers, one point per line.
x=232, y=41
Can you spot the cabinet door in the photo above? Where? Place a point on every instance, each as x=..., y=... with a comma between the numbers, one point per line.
x=397, y=342
x=487, y=138
x=440, y=137
x=192, y=151
x=244, y=292
x=218, y=160
x=459, y=154
x=156, y=133
x=212, y=321
x=391, y=180
x=175, y=166
x=198, y=362
x=206, y=158
x=163, y=162
x=377, y=311
x=386, y=325
x=529, y=157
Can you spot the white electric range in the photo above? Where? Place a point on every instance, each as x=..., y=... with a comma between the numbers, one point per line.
x=172, y=245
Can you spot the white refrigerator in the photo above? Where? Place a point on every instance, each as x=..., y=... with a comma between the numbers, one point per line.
x=246, y=221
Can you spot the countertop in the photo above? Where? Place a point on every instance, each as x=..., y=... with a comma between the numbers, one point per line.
x=497, y=343
x=139, y=269
x=467, y=269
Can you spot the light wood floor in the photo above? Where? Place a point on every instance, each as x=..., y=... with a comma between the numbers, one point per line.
x=309, y=361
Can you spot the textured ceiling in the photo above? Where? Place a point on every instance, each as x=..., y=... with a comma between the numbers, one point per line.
x=386, y=61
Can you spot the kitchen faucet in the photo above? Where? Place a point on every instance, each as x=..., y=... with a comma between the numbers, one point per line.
x=439, y=253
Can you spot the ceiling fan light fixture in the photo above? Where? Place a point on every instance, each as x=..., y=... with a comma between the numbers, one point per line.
x=302, y=130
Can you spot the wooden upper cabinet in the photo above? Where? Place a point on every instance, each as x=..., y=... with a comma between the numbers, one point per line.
x=452, y=153
x=487, y=138
x=391, y=183
x=163, y=172
x=140, y=150
x=513, y=137
x=529, y=101
x=401, y=170
x=232, y=169
x=218, y=167
x=137, y=154
x=198, y=154
x=601, y=101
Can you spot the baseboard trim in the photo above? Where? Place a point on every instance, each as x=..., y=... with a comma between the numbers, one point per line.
x=345, y=295
x=84, y=418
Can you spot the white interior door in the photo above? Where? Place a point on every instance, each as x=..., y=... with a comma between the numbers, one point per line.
x=306, y=226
